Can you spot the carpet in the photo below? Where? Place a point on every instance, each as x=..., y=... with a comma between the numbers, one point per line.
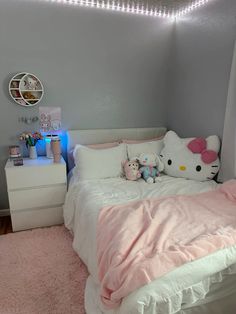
x=40, y=273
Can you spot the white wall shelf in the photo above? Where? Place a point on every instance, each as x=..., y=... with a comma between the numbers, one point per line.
x=30, y=90
x=26, y=89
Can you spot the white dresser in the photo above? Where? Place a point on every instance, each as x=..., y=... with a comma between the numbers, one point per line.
x=36, y=192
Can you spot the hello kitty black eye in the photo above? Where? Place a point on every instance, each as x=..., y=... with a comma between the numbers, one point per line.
x=169, y=162
x=198, y=168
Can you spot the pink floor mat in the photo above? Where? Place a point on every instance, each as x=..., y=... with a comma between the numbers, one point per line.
x=40, y=273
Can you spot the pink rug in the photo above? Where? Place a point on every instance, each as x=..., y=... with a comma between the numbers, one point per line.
x=40, y=273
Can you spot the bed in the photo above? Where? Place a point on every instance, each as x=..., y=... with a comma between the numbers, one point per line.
x=207, y=285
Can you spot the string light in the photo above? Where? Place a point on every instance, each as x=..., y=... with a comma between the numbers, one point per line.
x=191, y=7
x=134, y=9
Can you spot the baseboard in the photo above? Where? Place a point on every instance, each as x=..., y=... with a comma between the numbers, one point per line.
x=4, y=212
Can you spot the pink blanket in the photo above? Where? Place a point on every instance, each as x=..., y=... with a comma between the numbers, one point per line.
x=143, y=240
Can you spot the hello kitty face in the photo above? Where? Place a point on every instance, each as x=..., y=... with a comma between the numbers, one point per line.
x=194, y=159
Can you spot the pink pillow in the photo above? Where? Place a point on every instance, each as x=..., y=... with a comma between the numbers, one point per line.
x=142, y=141
x=103, y=145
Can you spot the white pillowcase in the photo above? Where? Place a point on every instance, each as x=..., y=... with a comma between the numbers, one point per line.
x=134, y=150
x=99, y=163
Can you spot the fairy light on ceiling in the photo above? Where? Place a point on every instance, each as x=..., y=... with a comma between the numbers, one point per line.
x=191, y=8
x=171, y=9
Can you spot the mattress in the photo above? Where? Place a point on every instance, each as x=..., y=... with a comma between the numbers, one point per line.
x=187, y=284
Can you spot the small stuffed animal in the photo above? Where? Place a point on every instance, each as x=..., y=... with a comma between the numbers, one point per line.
x=28, y=95
x=151, y=167
x=22, y=102
x=30, y=83
x=131, y=168
x=15, y=93
x=191, y=158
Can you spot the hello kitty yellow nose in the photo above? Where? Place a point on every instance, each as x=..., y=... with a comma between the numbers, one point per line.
x=182, y=168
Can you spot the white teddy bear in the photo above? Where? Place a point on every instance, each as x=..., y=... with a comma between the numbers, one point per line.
x=151, y=167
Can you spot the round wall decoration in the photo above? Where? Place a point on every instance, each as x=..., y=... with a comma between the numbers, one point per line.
x=26, y=89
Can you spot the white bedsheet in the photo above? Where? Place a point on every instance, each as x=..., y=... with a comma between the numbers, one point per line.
x=187, y=284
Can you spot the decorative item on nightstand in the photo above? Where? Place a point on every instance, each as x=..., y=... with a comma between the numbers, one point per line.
x=14, y=151
x=48, y=139
x=31, y=140
x=15, y=155
x=18, y=161
x=56, y=149
x=50, y=123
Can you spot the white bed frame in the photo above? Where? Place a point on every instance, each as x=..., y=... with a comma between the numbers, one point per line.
x=221, y=299
x=97, y=136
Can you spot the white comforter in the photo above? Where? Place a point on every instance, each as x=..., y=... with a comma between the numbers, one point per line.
x=187, y=284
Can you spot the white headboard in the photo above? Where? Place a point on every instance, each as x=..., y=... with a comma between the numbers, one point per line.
x=97, y=136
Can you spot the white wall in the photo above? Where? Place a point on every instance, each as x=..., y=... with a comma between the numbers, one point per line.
x=201, y=60
x=106, y=70
x=116, y=70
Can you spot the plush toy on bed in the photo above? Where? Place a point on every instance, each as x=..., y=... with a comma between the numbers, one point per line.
x=192, y=158
x=131, y=169
x=151, y=166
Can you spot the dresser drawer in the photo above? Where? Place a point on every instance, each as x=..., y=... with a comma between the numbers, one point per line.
x=21, y=177
x=28, y=219
x=37, y=197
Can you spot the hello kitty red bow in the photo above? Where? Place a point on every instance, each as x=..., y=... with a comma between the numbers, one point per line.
x=199, y=146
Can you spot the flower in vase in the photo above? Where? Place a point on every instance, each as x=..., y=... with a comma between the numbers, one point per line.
x=31, y=139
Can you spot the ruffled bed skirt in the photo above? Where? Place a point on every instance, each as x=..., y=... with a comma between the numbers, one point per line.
x=213, y=295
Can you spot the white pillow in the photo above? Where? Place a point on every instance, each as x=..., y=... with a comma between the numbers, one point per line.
x=134, y=150
x=99, y=164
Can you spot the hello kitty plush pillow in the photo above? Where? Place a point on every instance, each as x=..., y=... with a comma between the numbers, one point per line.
x=192, y=158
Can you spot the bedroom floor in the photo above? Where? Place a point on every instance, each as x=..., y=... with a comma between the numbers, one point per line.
x=40, y=272
x=5, y=225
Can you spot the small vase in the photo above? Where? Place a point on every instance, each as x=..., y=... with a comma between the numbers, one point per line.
x=32, y=152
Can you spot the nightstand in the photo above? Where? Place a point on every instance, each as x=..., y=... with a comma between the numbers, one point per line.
x=36, y=192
